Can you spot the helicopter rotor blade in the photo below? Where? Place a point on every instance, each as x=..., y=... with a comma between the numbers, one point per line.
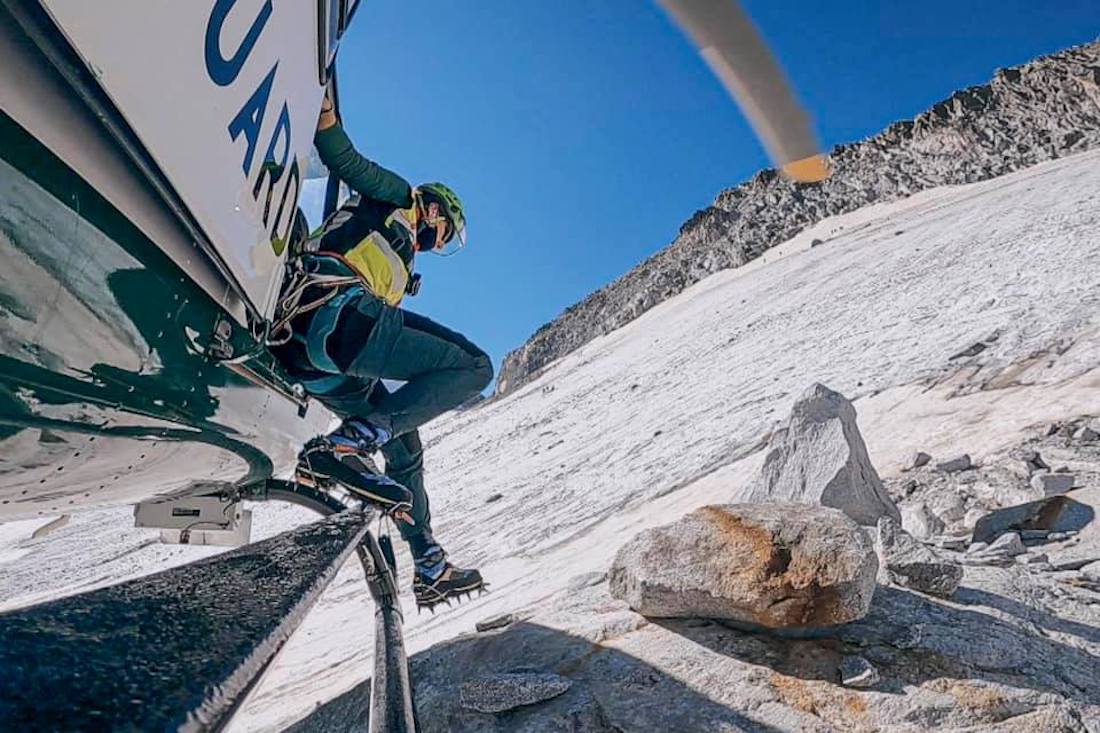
x=734, y=49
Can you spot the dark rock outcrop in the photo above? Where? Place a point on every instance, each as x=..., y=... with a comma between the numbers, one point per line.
x=1045, y=109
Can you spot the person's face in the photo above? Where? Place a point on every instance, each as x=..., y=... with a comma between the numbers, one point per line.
x=436, y=229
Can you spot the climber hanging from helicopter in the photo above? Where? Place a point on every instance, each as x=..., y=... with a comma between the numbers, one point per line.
x=340, y=332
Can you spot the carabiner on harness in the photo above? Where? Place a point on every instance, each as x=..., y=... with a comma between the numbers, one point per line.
x=290, y=305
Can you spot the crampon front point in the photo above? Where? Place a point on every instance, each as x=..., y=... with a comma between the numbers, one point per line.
x=453, y=584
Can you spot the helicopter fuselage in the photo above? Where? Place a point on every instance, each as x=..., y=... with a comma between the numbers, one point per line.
x=134, y=278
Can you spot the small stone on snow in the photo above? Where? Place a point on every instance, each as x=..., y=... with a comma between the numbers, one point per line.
x=1008, y=544
x=1034, y=462
x=962, y=463
x=1052, y=484
x=972, y=350
x=957, y=543
x=496, y=622
x=917, y=460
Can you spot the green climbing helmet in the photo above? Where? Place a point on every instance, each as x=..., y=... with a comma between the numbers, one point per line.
x=452, y=208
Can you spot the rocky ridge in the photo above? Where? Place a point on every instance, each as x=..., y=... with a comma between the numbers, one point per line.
x=1045, y=109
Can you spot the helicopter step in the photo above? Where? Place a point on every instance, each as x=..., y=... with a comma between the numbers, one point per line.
x=214, y=517
x=178, y=649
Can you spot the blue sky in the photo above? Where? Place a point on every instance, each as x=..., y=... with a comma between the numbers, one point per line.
x=581, y=133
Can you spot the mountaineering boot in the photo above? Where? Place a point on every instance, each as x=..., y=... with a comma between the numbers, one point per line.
x=437, y=581
x=344, y=456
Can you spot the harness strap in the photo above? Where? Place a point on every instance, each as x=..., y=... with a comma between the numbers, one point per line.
x=290, y=305
x=324, y=323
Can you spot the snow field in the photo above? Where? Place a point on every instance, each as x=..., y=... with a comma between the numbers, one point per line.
x=667, y=413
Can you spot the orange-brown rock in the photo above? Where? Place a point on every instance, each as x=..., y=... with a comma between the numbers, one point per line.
x=771, y=565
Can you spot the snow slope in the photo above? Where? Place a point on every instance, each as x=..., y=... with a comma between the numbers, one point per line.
x=669, y=412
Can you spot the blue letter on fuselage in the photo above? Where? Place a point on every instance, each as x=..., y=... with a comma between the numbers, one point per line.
x=224, y=71
x=251, y=117
x=271, y=168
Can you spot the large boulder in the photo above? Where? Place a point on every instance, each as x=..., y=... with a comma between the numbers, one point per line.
x=770, y=565
x=820, y=458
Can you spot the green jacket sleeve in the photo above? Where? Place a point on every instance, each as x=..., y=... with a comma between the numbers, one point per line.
x=363, y=176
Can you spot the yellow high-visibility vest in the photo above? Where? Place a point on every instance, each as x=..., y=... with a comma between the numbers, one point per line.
x=381, y=268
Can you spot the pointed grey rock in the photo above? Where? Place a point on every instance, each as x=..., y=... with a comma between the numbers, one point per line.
x=820, y=458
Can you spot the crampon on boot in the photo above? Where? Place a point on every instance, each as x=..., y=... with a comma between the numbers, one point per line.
x=346, y=459
x=437, y=581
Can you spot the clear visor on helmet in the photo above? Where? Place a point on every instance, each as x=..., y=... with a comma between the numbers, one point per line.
x=452, y=243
